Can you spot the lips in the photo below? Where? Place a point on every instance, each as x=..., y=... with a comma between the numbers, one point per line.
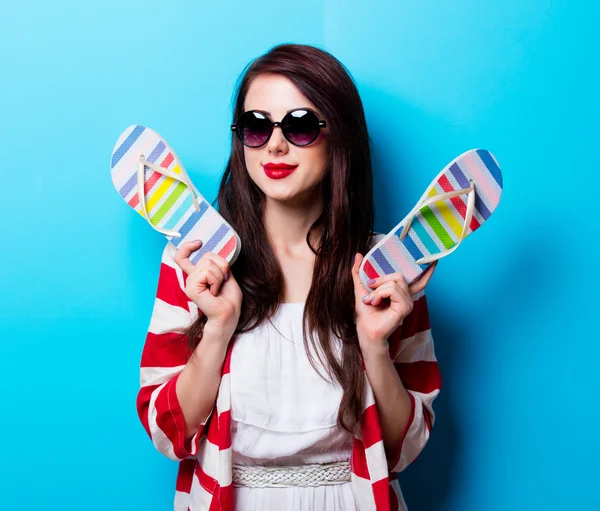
x=279, y=166
x=278, y=170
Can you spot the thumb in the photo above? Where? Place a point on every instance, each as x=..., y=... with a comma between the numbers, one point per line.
x=360, y=290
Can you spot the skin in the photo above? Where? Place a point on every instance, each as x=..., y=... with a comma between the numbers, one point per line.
x=292, y=204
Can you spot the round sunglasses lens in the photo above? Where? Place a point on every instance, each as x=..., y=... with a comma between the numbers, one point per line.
x=253, y=129
x=301, y=127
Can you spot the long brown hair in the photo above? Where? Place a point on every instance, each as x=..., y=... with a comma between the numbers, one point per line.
x=345, y=224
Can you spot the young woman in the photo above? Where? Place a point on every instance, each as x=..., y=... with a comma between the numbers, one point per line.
x=280, y=383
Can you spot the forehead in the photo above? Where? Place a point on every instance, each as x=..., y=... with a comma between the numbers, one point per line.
x=276, y=95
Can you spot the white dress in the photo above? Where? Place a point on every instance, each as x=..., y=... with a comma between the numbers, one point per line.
x=284, y=413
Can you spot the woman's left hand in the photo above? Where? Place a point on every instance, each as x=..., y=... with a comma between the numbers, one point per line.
x=386, y=306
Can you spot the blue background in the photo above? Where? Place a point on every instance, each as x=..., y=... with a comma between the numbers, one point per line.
x=513, y=311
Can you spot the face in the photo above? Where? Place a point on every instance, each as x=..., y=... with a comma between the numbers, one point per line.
x=276, y=95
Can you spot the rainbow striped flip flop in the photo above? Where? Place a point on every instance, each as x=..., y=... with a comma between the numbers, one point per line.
x=440, y=220
x=142, y=160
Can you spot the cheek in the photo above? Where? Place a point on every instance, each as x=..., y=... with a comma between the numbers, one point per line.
x=318, y=161
x=252, y=160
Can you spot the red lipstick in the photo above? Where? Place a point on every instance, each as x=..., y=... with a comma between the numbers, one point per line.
x=278, y=170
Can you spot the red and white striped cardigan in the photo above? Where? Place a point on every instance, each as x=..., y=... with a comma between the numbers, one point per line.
x=204, y=479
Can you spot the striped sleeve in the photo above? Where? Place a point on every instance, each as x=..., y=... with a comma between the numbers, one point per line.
x=164, y=356
x=412, y=350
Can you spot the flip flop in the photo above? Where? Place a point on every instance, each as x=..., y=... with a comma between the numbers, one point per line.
x=440, y=220
x=142, y=160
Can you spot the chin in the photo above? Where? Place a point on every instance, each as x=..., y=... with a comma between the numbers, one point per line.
x=281, y=197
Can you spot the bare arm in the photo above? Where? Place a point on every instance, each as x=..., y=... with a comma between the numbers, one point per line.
x=199, y=381
x=392, y=400
x=406, y=380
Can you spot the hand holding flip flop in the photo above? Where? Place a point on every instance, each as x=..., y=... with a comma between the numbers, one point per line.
x=151, y=178
x=376, y=319
x=396, y=268
x=440, y=220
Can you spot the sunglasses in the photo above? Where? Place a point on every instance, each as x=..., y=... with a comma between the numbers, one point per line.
x=300, y=127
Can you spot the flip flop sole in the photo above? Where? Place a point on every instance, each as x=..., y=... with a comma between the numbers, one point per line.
x=438, y=227
x=169, y=202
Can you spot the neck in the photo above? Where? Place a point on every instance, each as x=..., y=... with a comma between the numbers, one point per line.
x=287, y=223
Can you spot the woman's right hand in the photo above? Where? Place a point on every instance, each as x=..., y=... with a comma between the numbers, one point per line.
x=218, y=298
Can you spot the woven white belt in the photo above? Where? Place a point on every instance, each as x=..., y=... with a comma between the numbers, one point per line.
x=286, y=476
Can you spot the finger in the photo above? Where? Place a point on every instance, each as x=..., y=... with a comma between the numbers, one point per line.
x=422, y=281
x=392, y=292
x=205, y=279
x=183, y=253
x=215, y=278
x=204, y=263
x=370, y=299
x=218, y=260
x=392, y=277
x=388, y=290
x=359, y=289
x=212, y=266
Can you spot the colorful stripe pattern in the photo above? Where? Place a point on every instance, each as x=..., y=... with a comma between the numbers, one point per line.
x=438, y=227
x=169, y=202
x=204, y=478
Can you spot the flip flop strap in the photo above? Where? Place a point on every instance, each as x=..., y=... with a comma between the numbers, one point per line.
x=141, y=178
x=437, y=198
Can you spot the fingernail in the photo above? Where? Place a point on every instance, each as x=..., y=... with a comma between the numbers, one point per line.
x=365, y=298
x=226, y=276
x=355, y=257
x=197, y=241
x=371, y=282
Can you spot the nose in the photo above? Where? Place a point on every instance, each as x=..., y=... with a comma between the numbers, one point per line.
x=277, y=143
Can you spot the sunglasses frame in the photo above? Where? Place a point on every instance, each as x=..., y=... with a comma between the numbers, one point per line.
x=321, y=123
